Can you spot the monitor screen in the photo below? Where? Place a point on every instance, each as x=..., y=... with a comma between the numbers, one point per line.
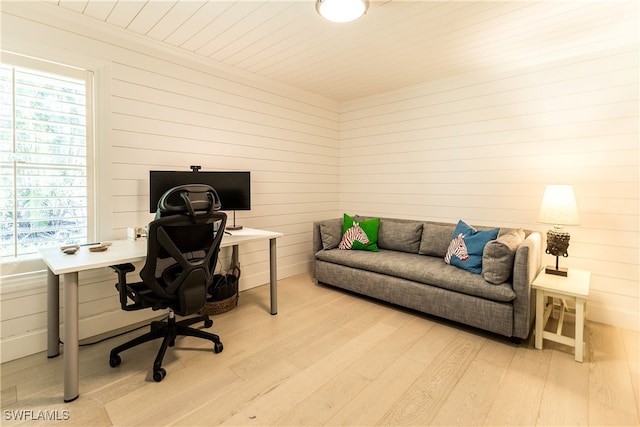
x=233, y=188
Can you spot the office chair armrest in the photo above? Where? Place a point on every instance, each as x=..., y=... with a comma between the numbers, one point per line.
x=122, y=270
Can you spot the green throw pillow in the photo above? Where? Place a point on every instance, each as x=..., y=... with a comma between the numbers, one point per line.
x=360, y=235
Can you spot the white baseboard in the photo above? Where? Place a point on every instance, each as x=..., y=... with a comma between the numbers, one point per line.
x=262, y=278
x=23, y=345
x=106, y=324
x=611, y=316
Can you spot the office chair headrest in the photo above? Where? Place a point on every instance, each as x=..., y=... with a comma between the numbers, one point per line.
x=194, y=199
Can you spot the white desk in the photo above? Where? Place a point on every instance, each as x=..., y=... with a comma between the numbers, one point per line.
x=121, y=251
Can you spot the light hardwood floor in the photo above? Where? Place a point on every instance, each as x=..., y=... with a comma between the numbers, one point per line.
x=332, y=358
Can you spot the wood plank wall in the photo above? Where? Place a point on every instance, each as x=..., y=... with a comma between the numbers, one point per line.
x=161, y=110
x=482, y=146
x=162, y=120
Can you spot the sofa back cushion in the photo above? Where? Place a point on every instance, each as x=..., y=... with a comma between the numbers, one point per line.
x=400, y=235
x=436, y=237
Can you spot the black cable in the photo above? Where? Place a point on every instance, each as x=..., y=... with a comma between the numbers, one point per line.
x=114, y=336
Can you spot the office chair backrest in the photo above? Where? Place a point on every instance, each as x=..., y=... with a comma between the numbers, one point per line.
x=195, y=199
x=182, y=247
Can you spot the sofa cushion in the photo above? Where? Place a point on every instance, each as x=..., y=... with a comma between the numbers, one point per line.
x=423, y=269
x=498, y=256
x=400, y=235
x=331, y=233
x=359, y=234
x=467, y=246
x=436, y=237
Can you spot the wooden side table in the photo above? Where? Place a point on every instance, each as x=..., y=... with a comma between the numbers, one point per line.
x=574, y=287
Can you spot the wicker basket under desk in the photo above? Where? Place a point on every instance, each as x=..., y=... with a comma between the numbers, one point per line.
x=223, y=295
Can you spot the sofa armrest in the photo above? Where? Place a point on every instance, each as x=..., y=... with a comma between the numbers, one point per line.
x=526, y=266
x=317, y=238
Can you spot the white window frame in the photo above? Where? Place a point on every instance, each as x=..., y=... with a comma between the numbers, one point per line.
x=31, y=263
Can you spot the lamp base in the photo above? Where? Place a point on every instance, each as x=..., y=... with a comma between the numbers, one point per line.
x=556, y=271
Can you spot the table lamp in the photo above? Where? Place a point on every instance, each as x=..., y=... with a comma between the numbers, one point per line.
x=558, y=208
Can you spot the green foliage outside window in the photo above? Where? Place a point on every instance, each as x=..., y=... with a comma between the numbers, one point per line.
x=43, y=161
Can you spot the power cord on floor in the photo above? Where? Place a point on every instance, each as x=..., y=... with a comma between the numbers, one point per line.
x=114, y=336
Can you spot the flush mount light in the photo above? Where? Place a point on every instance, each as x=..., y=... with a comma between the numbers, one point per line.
x=342, y=10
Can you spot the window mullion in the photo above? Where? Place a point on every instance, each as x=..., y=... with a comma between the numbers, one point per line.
x=14, y=166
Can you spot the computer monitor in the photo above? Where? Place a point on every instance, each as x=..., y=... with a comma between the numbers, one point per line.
x=233, y=187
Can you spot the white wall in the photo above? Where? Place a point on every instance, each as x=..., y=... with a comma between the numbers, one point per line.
x=482, y=146
x=162, y=110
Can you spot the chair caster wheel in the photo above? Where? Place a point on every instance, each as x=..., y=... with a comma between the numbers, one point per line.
x=159, y=375
x=217, y=347
x=208, y=323
x=115, y=360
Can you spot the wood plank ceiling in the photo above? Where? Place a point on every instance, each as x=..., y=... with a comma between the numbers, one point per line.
x=396, y=44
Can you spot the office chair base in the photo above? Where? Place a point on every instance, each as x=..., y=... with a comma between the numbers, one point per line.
x=168, y=331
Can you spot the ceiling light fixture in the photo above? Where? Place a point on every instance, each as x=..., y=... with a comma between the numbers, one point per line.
x=342, y=10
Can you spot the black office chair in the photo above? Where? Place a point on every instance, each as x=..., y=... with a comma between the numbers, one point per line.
x=183, y=242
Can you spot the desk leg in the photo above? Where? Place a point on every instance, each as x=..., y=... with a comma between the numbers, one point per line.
x=539, y=318
x=579, y=328
x=273, y=276
x=234, y=256
x=71, y=368
x=53, y=315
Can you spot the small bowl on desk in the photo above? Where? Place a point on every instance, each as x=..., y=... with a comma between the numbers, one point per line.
x=69, y=249
x=100, y=248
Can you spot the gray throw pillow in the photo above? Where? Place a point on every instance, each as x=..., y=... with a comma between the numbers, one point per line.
x=331, y=233
x=498, y=256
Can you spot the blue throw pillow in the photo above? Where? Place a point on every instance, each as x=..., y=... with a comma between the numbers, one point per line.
x=467, y=246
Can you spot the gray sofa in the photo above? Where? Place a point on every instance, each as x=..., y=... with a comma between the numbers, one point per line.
x=409, y=270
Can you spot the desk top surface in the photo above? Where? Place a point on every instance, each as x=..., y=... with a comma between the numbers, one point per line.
x=122, y=251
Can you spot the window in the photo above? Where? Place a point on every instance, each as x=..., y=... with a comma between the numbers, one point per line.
x=45, y=157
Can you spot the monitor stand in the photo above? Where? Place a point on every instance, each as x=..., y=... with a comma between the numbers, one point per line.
x=234, y=226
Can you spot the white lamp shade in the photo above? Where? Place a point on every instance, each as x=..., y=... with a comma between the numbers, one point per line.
x=341, y=10
x=559, y=206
